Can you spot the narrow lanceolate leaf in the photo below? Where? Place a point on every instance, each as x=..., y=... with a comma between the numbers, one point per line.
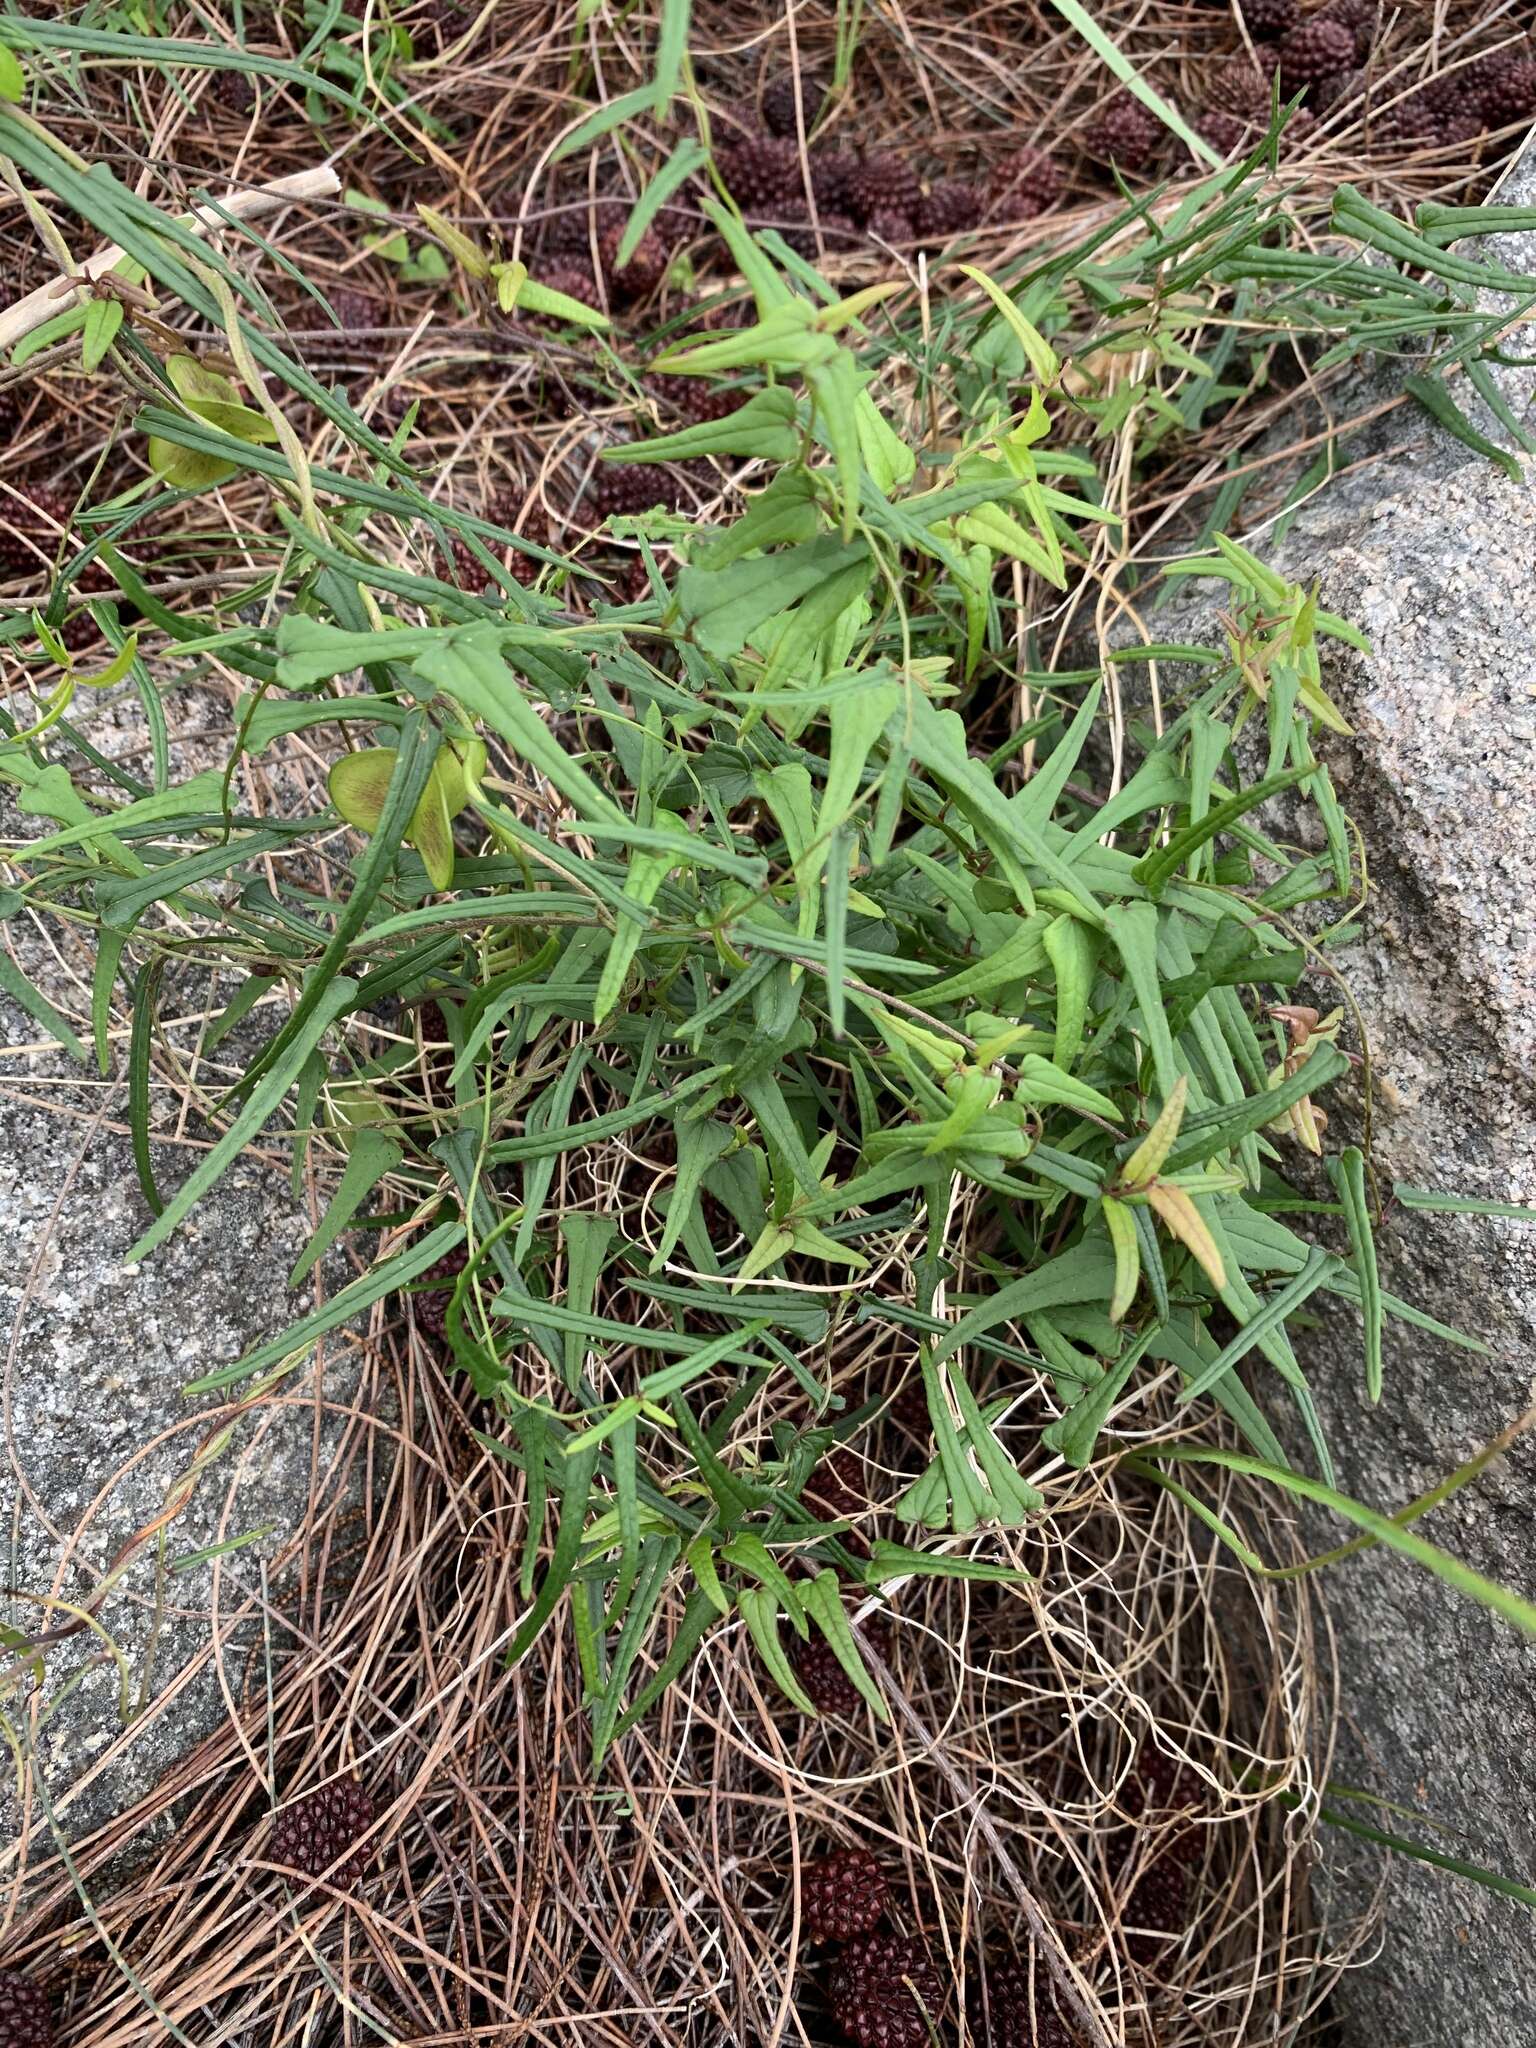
x=373, y=1154
x=1085, y=1273
x=1019, y=955
x=1075, y=1435
x=1187, y=1224
x=534, y=297
x=816, y=1244
x=836, y=387
x=1158, y=868
x=198, y=793
x=685, y=159
x=835, y=918
x=140, y=1039
x=263, y=1099
x=1218, y=1130
x=1461, y=1577
x=1121, y=1223
x=1437, y=401
x=857, y=723
x=1349, y=1179
x=658, y=1386
x=1134, y=929
x=697, y=1617
x=1041, y=1080
x=1012, y=1499
x=1272, y=1316
x=774, y=1242
x=671, y=49
x=899, y=1561
x=824, y=1603
x=749, y=1554
x=1147, y=1161
x=386, y=1278
x=760, y=1611
x=619, y=1417
x=610, y=115
x=699, y=1145
x=1104, y=46
x=586, y=1239
x=109, y=954
x=30, y=998
x=470, y=669
x=458, y=245
x=647, y=872
x=575, y=1488
x=1440, y=1203
x=417, y=750
x=764, y=429
x=1151, y=1260
x=103, y=318
x=1038, y=352
x=938, y=740
x=701, y=1561
x=1070, y=949
x=1490, y=1880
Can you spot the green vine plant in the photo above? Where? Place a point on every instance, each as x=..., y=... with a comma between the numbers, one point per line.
x=781, y=1017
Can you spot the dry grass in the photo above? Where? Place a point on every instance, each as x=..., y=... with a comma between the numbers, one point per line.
x=508, y=416
x=510, y=1898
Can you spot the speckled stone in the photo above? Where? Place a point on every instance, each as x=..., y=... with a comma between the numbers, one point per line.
x=1442, y=779
x=98, y=1436
x=1432, y=553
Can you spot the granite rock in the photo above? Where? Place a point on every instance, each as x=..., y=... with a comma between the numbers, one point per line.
x=98, y=1440
x=1441, y=778
x=1429, y=550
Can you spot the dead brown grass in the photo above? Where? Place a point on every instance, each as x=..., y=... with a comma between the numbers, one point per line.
x=511, y=1898
x=508, y=416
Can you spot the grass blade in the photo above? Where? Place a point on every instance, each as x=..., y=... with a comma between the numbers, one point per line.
x=30, y=998
x=1348, y=1176
x=374, y=1153
x=331, y=1003
x=1104, y=46
x=386, y=1278
x=1451, y=1571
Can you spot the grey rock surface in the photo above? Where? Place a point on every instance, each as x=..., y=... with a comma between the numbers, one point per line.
x=1442, y=779
x=98, y=1440
x=1431, y=553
